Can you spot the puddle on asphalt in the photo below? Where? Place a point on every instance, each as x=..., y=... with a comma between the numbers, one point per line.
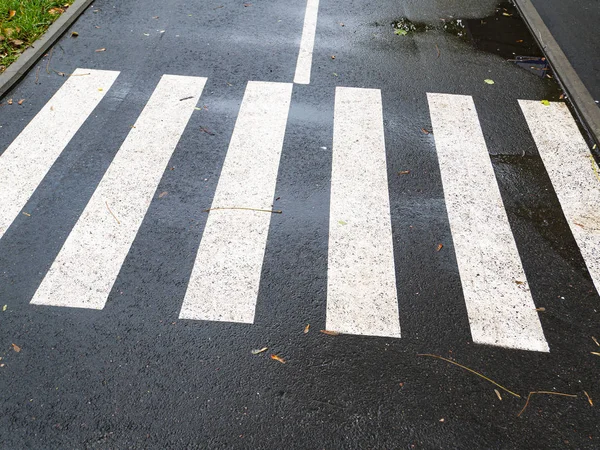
x=504, y=34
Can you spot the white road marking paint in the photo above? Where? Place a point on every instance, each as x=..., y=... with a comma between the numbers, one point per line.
x=499, y=303
x=307, y=44
x=25, y=163
x=88, y=264
x=225, y=279
x=573, y=173
x=361, y=282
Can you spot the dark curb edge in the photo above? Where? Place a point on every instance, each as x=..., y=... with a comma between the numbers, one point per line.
x=582, y=100
x=30, y=56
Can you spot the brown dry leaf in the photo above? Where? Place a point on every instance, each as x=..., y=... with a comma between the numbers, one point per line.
x=278, y=359
x=425, y=131
x=306, y=328
x=542, y=309
x=162, y=194
x=74, y=34
x=20, y=102
x=100, y=50
x=16, y=348
x=519, y=41
x=439, y=247
x=332, y=56
x=519, y=282
x=330, y=333
x=404, y=172
x=11, y=13
x=589, y=398
x=247, y=4
x=10, y=101
x=498, y=394
x=55, y=11
x=16, y=42
x=260, y=350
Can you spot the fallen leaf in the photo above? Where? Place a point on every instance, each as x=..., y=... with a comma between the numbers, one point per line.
x=335, y=74
x=56, y=11
x=247, y=4
x=545, y=103
x=20, y=102
x=156, y=17
x=10, y=101
x=519, y=41
x=404, y=172
x=542, y=309
x=400, y=32
x=1, y=365
x=589, y=398
x=341, y=222
x=278, y=359
x=330, y=333
x=162, y=194
x=16, y=348
x=498, y=394
x=488, y=81
x=332, y=56
x=306, y=328
x=4, y=307
x=425, y=131
x=16, y=42
x=26, y=214
x=519, y=282
x=11, y=13
x=442, y=419
x=74, y=34
x=100, y=50
x=259, y=351
x=506, y=14
x=439, y=247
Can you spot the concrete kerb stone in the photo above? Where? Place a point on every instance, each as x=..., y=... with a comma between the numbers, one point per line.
x=580, y=97
x=30, y=56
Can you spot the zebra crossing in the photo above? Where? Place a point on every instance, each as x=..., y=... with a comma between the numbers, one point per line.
x=361, y=277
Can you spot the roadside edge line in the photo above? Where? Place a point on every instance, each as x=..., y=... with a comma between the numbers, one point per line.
x=31, y=55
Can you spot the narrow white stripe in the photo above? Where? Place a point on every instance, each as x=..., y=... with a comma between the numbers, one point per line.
x=226, y=275
x=307, y=44
x=88, y=264
x=499, y=304
x=25, y=163
x=573, y=172
x=361, y=283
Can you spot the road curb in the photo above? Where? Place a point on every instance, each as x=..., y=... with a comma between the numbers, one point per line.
x=580, y=97
x=30, y=56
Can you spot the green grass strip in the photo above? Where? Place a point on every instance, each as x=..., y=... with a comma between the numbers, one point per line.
x=22, y=22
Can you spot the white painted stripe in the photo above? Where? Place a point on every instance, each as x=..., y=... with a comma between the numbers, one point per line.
x=226, y=274
x=87, y=266
x=307, y=44
x=499, y=303
x=361, y=283
x=573, y=172
x=25, y=163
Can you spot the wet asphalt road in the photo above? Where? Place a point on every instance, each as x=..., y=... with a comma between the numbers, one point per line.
x=135, y=376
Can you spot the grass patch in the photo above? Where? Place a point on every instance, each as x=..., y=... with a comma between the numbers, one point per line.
x=22, y=22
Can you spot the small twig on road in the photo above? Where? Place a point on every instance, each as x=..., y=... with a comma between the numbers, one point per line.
x=113, y=214
x=472, y=371
x=544, y=392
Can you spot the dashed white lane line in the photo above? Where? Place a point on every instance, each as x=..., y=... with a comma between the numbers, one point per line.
x=361, y=282
x=573, y=173
x=87, y=266
x=25, y=163
x=307, y=43
x=226, y=275
x=499, y=304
